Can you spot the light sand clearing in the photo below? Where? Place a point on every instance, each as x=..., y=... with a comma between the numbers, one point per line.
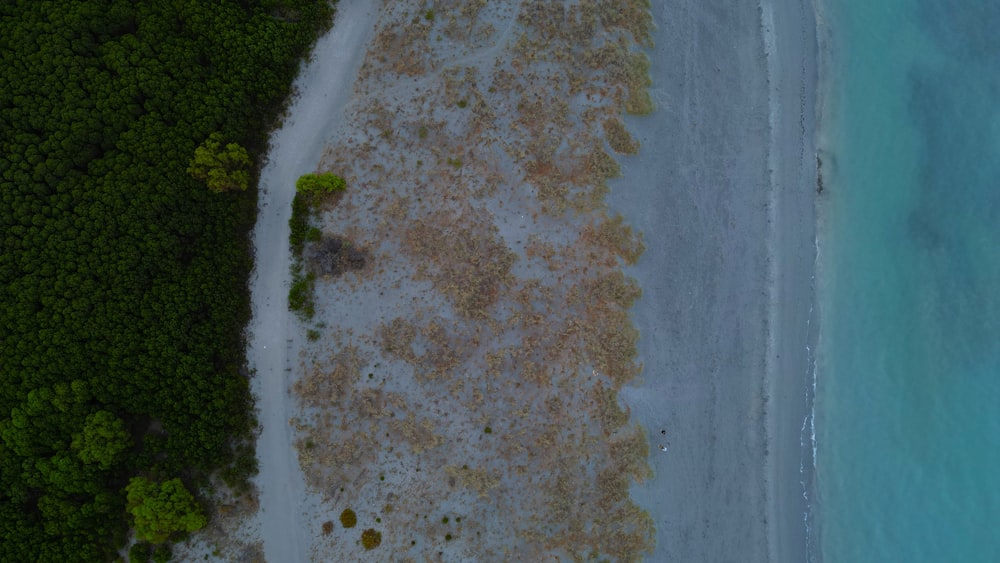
x=460, y=393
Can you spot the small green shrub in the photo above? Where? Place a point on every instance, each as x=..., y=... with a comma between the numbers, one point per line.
x=139, y=553
x=300, y=295
x=371, y=539
x=429, y=15
x=488, y=430
x=348, y=519
x=298, y=225
x=320, y=184
x=312, y=335
x=162, y=553
x=462, y=103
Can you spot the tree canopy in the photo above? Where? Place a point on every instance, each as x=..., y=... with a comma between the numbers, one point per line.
x=162, y=509
x=223, y=167
x=102, y=441
x=123, y=280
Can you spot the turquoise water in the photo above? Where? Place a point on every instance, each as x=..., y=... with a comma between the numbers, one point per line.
x=908, y=392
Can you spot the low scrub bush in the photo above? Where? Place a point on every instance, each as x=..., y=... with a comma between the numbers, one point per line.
x=371, y=539
x=320, y=184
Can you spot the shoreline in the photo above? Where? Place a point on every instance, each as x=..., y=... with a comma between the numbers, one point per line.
x=727, y=215
x=793, y=72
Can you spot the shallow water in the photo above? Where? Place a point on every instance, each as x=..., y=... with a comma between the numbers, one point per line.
x=908, y=429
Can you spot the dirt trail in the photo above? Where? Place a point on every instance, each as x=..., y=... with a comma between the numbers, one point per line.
x=324, y=88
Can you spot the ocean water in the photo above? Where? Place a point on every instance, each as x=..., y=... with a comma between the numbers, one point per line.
x=908, y=372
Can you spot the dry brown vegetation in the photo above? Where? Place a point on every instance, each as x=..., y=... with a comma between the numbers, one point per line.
x=483, y=373
x=618, y=137
x=463, y=256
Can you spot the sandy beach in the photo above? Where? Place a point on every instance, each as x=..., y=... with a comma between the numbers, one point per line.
x=726, y=188
x=458, y=391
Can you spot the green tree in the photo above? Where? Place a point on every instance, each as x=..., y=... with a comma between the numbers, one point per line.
x=320, y=183
x=123, y=281
x=162, y=553
x=103, y=438
x=139, y=553
x=162, y=509
x=223, y=167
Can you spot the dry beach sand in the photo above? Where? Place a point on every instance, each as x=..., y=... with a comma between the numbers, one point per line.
x=458, y=391
x=727, y=179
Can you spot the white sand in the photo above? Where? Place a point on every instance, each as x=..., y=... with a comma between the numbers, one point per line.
x=325, y=86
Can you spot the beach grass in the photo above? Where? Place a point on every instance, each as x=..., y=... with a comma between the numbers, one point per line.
x=477, y=364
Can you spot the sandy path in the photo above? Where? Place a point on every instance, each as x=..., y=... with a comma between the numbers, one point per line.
x=324, y=88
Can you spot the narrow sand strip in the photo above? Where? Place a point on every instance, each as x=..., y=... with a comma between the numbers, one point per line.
x=324, y=88
x=790, y=30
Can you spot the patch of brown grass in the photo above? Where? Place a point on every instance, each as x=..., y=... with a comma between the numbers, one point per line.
x=464, y=258
x=612, y=417
x=480, y=480
x=610, y=288
x=618, y=137
x=632, y=16
x=630, y=453
x=400, y=48
x=616, y=237
x=611, y=346
x=325, y=384
x=418, y=434
x=396, y=338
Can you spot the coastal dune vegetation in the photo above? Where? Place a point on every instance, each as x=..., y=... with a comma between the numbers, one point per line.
x=124, y=257
x=459, y=391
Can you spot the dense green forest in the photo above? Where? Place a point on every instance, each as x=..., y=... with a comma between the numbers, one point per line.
x=123, y=279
